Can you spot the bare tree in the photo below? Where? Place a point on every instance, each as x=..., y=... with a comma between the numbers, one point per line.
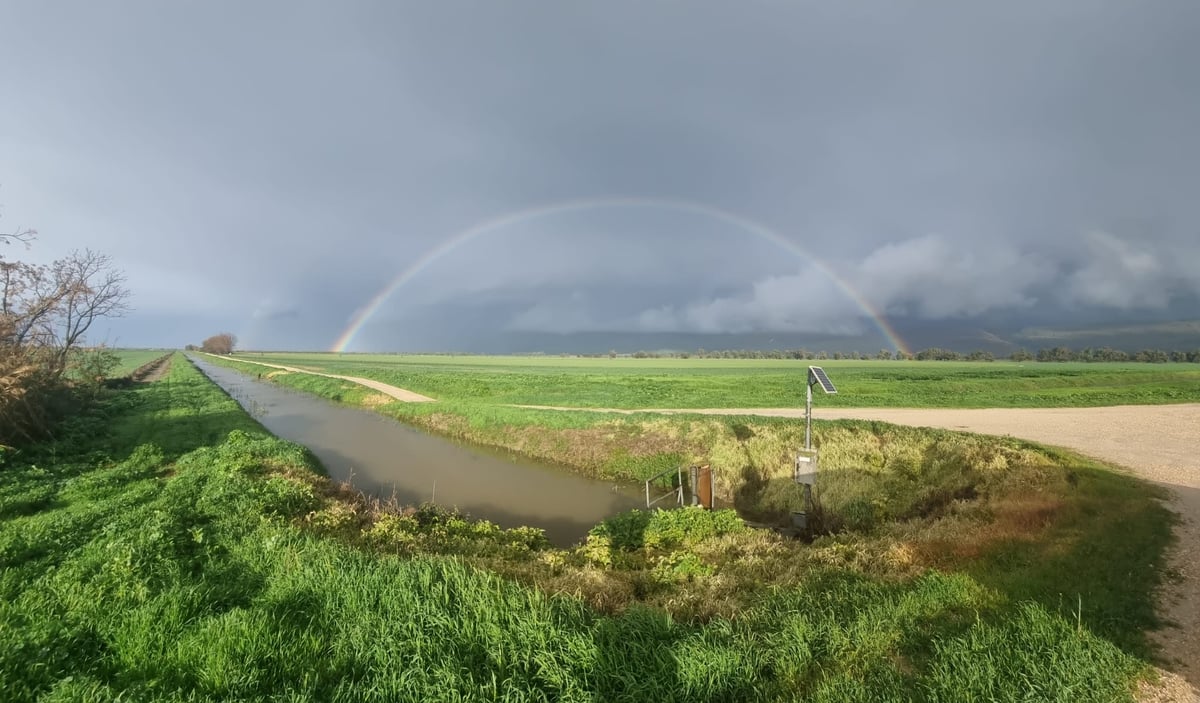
x=219, y=344
x=91, y=289
x=28, y=298
x=19, y=236
x=45, y=313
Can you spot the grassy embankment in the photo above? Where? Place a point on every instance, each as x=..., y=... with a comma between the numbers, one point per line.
x=863, y=464
x=196, y=568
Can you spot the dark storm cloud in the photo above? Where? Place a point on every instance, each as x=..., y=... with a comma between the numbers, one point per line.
x=272, y=165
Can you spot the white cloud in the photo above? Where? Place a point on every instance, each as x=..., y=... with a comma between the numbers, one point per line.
x=930, y=276
x=1120, y=274
x=563, y=314
x=936, y=277
x=806, y=301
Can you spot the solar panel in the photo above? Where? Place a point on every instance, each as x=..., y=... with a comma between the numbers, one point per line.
x=816, y=373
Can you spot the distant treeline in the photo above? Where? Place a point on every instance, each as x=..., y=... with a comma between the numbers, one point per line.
x=1087, y=354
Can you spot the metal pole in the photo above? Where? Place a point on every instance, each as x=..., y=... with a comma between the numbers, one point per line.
x=808, y=413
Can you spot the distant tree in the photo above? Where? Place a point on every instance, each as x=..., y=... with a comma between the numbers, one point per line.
x=219, y=344
x=884, y=355
x=1056, y=354
x=980, y=355
x=1152, y=356
x=938, y=354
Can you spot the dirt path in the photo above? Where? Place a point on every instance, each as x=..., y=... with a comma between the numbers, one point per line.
x=393, y=391
x=1160, y=443
x=153, y=371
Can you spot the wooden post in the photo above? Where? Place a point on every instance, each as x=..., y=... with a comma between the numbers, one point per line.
x=704, y=486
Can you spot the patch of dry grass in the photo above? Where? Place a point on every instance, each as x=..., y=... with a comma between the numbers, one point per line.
x=376, y=400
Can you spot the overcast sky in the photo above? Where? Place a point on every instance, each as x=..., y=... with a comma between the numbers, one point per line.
x=266, y=168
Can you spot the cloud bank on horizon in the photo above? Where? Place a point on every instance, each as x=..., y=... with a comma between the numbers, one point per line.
x=269, y=169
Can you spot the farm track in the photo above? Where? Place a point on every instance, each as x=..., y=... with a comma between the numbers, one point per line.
x=1160, y=443
x=152, y=371
x=387, y=389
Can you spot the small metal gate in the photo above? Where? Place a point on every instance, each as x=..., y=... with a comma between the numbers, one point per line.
x=699, y=483
x=676, y=489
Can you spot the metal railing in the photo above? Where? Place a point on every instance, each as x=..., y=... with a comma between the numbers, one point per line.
x=676, y=490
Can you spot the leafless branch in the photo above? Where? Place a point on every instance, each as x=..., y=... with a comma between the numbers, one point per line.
x=20, y=236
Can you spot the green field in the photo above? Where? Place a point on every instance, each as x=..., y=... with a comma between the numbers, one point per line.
x=133, y=359
x=746, y=383
x=149, y=554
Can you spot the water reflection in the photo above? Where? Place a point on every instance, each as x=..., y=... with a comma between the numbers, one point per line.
x=384, y=458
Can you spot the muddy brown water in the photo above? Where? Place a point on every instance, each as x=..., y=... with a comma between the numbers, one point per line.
x=384, y=458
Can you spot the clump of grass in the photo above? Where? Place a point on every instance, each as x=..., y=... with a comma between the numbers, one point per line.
x=1005, y=661
x=666, y=529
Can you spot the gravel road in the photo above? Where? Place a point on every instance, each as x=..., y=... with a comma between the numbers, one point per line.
x=386, y=389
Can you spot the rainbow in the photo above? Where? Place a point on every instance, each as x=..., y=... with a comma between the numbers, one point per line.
x=364, y=313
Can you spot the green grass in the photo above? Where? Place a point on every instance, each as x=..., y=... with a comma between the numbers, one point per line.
x=132, y=359
x=733, y=383
x=914, y=469
x=948, y=497
x=186, y=555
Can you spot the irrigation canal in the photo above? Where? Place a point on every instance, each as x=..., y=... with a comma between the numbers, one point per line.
x=384, y=458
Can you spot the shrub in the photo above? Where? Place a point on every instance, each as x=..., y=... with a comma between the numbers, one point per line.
x=285, y=497
x=666, y=529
